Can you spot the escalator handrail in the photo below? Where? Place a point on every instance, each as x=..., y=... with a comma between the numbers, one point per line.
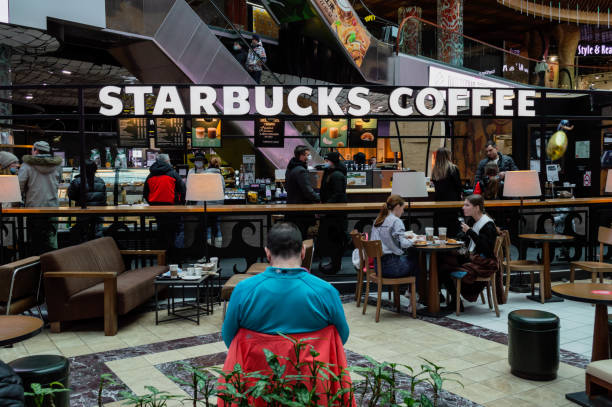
x=237, y=31
x=400, y=33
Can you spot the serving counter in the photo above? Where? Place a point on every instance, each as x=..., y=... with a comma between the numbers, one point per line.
x=244, y=226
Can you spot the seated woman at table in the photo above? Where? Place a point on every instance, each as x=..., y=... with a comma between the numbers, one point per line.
x=480, y=234
x=390, y=230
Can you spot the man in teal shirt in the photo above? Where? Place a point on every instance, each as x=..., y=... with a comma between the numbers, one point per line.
x=285, y=298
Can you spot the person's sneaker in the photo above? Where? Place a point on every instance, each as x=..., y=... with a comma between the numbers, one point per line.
x=218, y=241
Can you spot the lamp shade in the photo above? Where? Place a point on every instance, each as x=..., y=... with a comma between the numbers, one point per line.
x=609, y=182
x=204, y=187
x=409, y=184
x=9, y=188
x=519, y=184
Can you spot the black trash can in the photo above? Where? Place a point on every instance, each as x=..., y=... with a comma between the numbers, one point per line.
x=44, y=369
x=533, y=344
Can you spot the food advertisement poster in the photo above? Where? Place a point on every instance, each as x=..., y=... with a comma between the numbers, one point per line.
x=206, y=133
x=169, y=133
x=133, y=132
x=356, y=178
x=363, y=133
x=347, y=27
x=334, y=133
x=269, y=132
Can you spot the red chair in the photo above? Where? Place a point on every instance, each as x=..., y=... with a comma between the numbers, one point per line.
x=247, y=350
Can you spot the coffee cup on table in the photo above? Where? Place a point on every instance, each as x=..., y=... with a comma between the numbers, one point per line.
x=198, y=271
x=190, y=271
x=442, y=233
x=215, y=261
x=173, y=270
x=429, y=234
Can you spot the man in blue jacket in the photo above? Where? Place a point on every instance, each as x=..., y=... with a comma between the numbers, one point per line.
x=285, y=298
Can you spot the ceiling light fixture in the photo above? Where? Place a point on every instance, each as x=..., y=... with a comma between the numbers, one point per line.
x=66, y=72
x=29, y=97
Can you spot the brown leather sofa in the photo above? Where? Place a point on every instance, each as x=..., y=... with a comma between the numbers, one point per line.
x=90, y=280
x=20, y=286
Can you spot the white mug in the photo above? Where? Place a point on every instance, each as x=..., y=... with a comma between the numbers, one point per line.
x=190, y=271
x=173, y=267
x=198, y=271
x=216, y=261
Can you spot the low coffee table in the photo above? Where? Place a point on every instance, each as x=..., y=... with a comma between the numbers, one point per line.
x=185, y=309
x=16, y=328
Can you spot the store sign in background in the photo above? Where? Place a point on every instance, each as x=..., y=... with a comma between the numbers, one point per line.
x=206, y=133
x=588, y=50
x=133, y=132
x=269, y=132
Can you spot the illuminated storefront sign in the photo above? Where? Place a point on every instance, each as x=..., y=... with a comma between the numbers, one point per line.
x=241, y=100
x=594, y=50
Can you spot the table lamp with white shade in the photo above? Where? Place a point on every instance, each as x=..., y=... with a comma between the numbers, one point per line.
x=522, y=184
x=609, y=182
x=9, y=192
x=409, y=185
x=205, y=187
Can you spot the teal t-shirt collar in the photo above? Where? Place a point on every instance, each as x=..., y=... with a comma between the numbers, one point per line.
x=285, y=271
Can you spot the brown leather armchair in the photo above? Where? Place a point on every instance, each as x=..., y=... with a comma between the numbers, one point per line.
x=90, y=280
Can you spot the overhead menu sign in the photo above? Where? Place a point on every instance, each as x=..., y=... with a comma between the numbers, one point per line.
x=238, y=101
x=269, y=132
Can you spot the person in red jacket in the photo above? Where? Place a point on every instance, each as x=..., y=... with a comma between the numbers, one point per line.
x=163, y=186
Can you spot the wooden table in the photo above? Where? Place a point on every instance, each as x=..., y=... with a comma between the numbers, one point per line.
x=545, y=239
x=601, y=296
x=433, y=286
x=16, y=328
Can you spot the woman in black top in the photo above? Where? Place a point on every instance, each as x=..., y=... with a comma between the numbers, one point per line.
x=88, y=226
x=480, y=234
x=447, y=182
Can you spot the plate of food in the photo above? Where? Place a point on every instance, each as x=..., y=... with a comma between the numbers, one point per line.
x=420, y=243
x=451, y=241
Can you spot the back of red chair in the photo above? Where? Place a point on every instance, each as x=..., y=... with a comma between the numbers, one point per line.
x=247, y=350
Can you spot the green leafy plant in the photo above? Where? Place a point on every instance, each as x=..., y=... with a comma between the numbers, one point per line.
x=154, y=398
x=106, y=379
x=202, y=384
x=42, y=394
x=437, y=375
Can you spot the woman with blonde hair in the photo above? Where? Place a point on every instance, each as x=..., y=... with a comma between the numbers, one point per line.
x=447, y=183
x=390, y=230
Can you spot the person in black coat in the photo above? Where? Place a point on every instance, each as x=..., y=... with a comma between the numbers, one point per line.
x=447, y=183
x=299, y=189
x=11, y=388
x=239, y=53
x=88, y=227
x=333, y=227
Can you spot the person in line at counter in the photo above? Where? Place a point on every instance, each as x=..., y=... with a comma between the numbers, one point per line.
x=447, y=182
x=39, y=178
x=333, y=226
x=299, y=189
x=504, y=162
x=493, y=188
x=389, y=229
x=88, y=227
x=164, y=186
x=9, y=165
x=215, y=168
x=257, y=303
x=480, y=233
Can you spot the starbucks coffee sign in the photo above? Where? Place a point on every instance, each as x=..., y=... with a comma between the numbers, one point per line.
x=236, y=101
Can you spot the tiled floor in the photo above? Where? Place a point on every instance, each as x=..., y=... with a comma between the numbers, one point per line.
x=142, y=353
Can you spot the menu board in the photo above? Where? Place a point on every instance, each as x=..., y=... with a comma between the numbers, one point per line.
x=205, y=133
x=363, y=133
x=269, y=132
x=347, y=27
x=169, y=133
x=133, y=132
x=334, y=133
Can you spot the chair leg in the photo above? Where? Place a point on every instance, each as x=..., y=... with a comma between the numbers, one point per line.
x=458, y=294
x=413, y=302
x=378, y=301
x=542, y=300
x=495, y=304
x=224, y=309
x=489, y=295
x=389, y=293
x=359, y=287
x=593, y=277
x=396, y=297
x=56, y=327
x=507, y=288
x=572, y=273
x=601, y=278
x=482, y=298
x=366, y=294
x=532, y=283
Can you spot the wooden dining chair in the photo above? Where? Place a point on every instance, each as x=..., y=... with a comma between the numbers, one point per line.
x=373, y=250
x=490, y=287
x=522, y=266
x=309, y=254
x=356, y=236
x=604, y=236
